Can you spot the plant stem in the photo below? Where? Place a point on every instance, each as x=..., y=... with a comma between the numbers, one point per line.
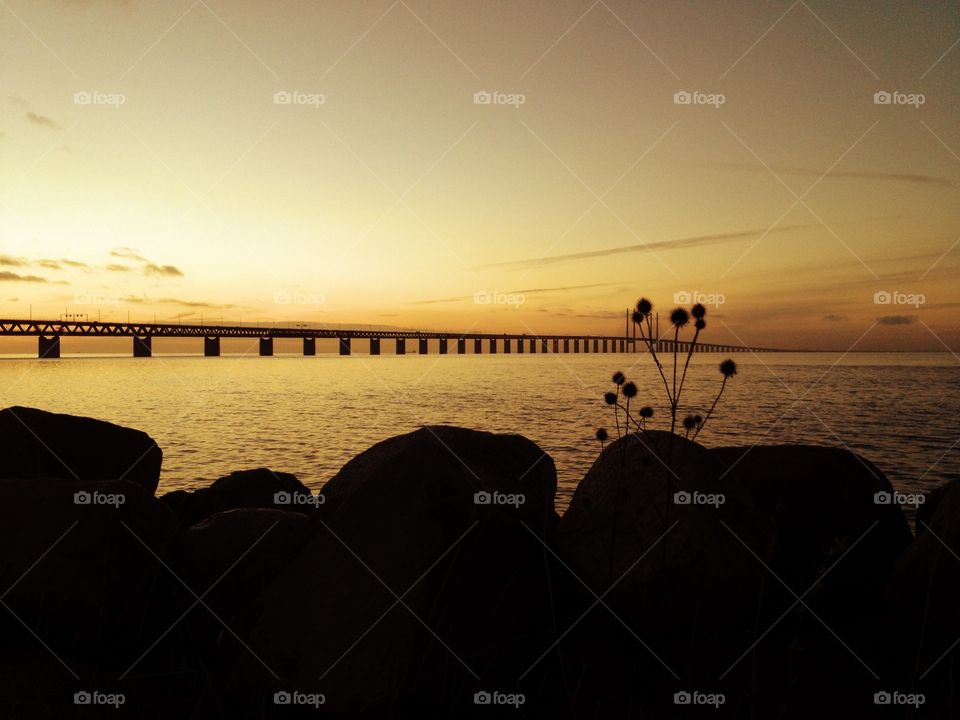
x=710, y=411
x=683, y=377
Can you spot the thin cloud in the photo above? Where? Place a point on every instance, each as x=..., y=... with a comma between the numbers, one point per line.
x=675, y=244
x=529, y=291
x=74, y=263
x=917, y=178
x=127, y=254
x=43, y=121
x=897, y=320
x=49, y=264
x=114, y=267
x=165, y=270
x=835, y=318
x=7, y=276
x=176, y=301
x=11, y=261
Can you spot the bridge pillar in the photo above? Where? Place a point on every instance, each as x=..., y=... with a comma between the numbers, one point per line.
x=493, y=346
x=344, y=346
x=543, y=346
x=374, y=346
x=309, y=346
x=613, y=345
x=533, y=345
x=520, y=345
x=605, y=345
x=401, y=346
x=423, y=346
x=596, y=345
x=211, y=347
x=142, y=346
x=576, y=345
x=556, y=345
x=266, y=347
x=477, y=346
x=443, y=346
x=506, y=344
x=461, y=346
x=586, y=345
x=623, y=346
x=566, y=345
x=49, y=347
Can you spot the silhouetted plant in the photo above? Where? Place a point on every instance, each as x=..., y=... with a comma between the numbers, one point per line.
x=602, y=437
x=645, y=412
x=728, y=368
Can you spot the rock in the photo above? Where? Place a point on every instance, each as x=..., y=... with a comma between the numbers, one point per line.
x=921, y=626
x=822, y=503
x=237, y=551
x=436, y=519
x=38, y=444
x=676, y=546
x=260, y=488
x=79, y=569
x=931, y=501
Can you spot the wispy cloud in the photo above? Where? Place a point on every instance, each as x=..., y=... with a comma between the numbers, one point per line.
x=897, y=319
x=7, y=276
x=127, y=254
x=115, y=267
x=528, y=291
x=137, y=300
x=165, y=270
x=675, y=244
x=834, y=317
x=918, y=178
x=10, y=261
x=43, y=121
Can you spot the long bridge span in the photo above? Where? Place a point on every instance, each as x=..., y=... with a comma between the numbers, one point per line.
x=50, y=332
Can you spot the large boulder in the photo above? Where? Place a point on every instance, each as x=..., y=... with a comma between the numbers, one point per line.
x=79, y=568
x=260, y=488
x=922, y=620
x=426, y=580
x=39, y=444
x=674, y=547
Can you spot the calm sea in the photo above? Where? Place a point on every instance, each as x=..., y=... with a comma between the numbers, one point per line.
x=310, y=415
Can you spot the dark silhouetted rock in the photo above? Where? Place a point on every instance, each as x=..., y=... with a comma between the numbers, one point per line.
x=927, y=509
x=260, y=488
x=404, y=519
x=922, y=625
x=39, y=444
x=238, y=552
x=79, y=569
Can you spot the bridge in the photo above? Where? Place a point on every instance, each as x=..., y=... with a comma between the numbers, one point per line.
x=50, y=332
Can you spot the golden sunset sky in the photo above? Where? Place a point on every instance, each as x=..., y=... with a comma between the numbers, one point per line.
x=148, y=165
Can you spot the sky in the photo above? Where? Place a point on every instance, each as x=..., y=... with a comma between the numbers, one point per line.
x=497, y=166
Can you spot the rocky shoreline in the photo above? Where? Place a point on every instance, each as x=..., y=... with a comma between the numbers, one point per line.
x=432, y=577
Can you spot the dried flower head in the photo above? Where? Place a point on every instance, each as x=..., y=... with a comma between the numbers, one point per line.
x=644, y=306
x=646, y=412
x=679, y=317
x=630, y=390
x=610, y=398
x=698, y=311
x=728, y=368
x=618, y=378
x=602, y=434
